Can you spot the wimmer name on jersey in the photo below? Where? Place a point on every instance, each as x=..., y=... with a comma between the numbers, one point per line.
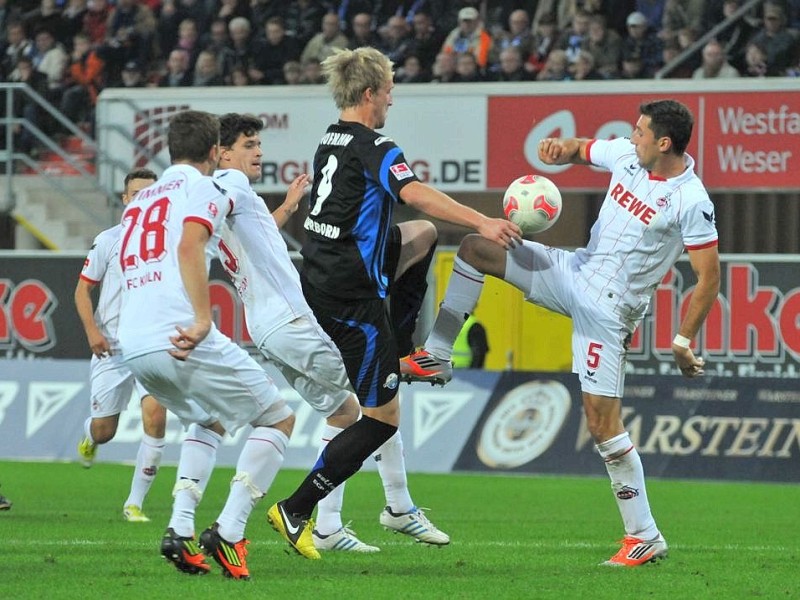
x=358, y=175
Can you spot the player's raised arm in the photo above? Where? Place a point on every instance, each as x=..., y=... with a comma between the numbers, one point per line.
x=558, y=151
x=439, y=205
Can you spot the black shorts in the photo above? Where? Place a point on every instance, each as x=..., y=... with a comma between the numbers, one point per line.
x=361, y=331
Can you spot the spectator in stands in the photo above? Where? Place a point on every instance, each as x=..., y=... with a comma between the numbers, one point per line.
x=72, y=17
x=292, y=73
x=85, y=79
x=512, y=66
x=426, y=40
x=605, y=46
x=411, y=71
x=206, y=70
x=8, y=15
x=467, y=69
x=556, y=67
x=560, y=12
x=312, y=72
x=49, y=57
x=469, y=36
x=545, y=36
x=243, y=47
x=715, y=64
x=323, y=44
x=304, y=19
x=218, y=42
x=781, y=45
x=583, y=69
x=642, y=42
x=755, y=59
x=361, y=30
x=46, y=16
x=395, y=39
x=680, y=14
x=444, y=68
x=132, y=76
x=130, y=35
x=572, y=39
x=616, y=12
x=178, y=72
x=734, y=38
x=95, y=21
x=17, y=45
x=189, y=40
x=346, y=10
x=632, y=66
x=230, y=9
x=518, y=34
x=24, y=107
x=263, y=10
x=239, y=76
x=670, y=51
x=274, y=51
x=173, y=12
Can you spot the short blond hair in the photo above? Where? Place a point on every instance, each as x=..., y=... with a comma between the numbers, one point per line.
x=350, y=73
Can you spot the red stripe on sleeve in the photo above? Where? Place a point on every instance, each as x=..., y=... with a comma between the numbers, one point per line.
x=710, y=244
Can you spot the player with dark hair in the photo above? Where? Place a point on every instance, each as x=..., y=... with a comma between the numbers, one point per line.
x=112, y=383
x=170, y=342
x=655, y=207
x=354, y=258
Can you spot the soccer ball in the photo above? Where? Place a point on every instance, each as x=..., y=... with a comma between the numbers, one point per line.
x=533, y=202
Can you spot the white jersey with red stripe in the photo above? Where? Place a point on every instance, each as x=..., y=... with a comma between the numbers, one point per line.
x=154, y=299
x=255, y=256
x=102, y=267
x=643, y=226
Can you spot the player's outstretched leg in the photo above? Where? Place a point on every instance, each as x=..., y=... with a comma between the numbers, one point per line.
x=184, y=553
x=231, y=557
x=295, y=530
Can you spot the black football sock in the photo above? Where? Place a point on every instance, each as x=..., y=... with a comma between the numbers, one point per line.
x=342, y=457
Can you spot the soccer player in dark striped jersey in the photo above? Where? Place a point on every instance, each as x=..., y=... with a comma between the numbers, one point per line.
x=354, y=258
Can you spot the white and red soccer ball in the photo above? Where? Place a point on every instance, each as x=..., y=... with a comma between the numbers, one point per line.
x=533, y=202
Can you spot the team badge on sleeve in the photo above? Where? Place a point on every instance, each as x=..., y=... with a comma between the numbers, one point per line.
x=401, y=171
x=212, y=209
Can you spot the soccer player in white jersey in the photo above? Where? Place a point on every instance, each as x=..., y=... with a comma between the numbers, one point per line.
x=284, y=328
x=112, y=383
x=655, y=207
x=170, y=232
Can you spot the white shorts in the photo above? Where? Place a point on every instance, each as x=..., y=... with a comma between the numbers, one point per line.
x=220, y=377
x=112, y=385
x=599, y=335
x=311, y=363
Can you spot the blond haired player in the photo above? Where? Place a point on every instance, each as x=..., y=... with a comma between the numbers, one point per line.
x=112, y=383
x=655, y=208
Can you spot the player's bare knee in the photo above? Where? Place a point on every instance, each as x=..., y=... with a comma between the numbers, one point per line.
x=347, y=414
x=104, y=429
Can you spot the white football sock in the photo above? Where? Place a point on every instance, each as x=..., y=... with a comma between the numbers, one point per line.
x=392, y=468
x=463, y=291
x=87, y=429
x=198, y=456
x=624, y=466
x=148, y=460
x=329, y=509
x=258, y=464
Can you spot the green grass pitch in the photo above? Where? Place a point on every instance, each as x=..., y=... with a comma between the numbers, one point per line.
x=512, y=537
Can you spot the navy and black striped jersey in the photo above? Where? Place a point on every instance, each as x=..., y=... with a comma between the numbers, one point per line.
x=358, y=175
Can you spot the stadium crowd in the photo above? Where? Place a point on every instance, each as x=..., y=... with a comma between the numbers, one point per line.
x=69, y=50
